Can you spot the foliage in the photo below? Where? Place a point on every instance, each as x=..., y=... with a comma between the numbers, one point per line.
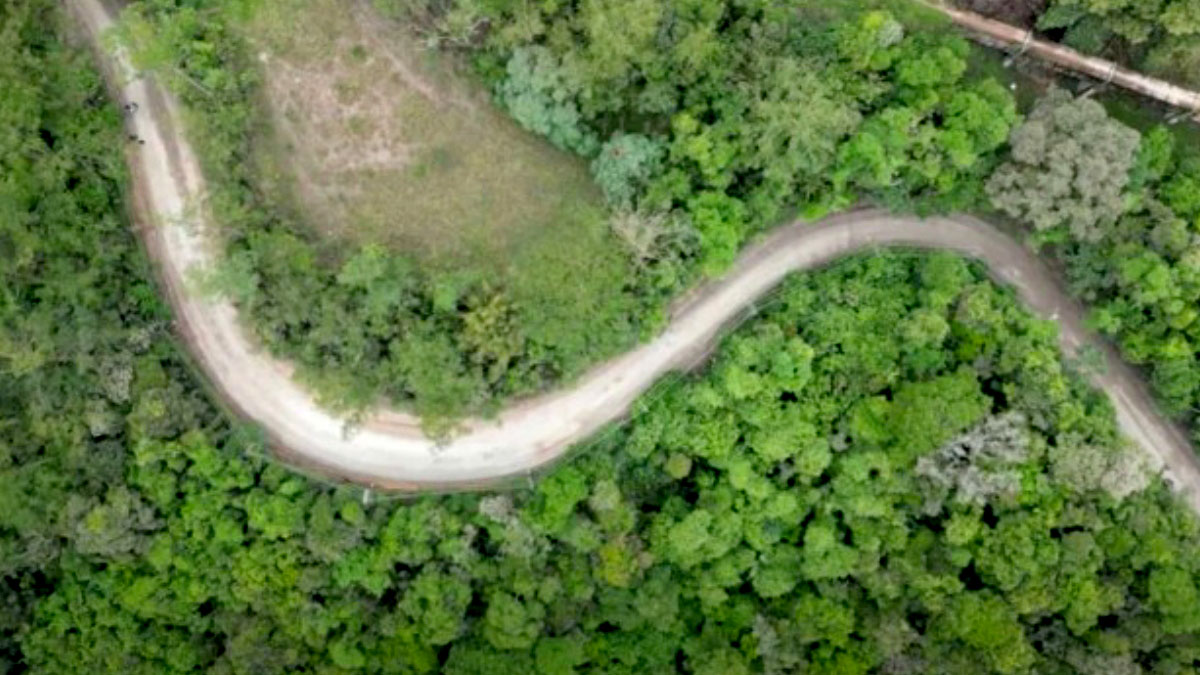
x=1176, y=59
x=768, y=515
x=625, y=165
x=1136, y=21
x=1140, y=274
x=538, y=95
x=445, y=343
x=1134, y=264
x=759, y=110
x=933, y=138
x=721, y=119
x=980, y=465
x=85, y=368
x=1146, y=33
x=1070, y=163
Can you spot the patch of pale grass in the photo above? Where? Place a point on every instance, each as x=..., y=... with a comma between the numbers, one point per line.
x=372, y=138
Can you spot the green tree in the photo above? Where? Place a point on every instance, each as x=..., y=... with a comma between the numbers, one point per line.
x=624, y=165
x=512, y=623
x=1070, y=164
x=720, y=222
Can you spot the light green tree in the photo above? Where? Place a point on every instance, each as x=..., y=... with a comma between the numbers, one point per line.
x=624, y=165
x=1070, y=164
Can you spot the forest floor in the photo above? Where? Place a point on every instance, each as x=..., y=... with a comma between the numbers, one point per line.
x=389, y=449
x=369, y=137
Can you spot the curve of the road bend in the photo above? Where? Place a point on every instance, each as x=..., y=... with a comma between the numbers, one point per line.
x=388, y=449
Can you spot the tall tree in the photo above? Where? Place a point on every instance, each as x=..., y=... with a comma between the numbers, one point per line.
x=1070, y=165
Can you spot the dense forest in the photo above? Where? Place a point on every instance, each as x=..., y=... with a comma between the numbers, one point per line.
x=87, y=370
x=889, y=469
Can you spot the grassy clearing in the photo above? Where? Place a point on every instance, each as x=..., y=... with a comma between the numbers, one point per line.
x=360, y=137
x=374, y=139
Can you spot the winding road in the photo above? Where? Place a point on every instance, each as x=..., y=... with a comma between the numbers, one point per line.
x=389, y=451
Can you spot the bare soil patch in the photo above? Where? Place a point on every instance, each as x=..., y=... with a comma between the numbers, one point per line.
x=371, y=138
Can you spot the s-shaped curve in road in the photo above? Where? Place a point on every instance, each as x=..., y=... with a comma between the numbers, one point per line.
x=389, y=450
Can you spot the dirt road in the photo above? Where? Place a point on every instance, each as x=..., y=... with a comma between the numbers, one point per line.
x=389, y=450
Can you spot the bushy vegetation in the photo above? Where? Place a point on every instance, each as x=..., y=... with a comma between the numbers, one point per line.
x=86, y=370
x=441, y=338
x=761, y=110
x=888, y=470
x=1092, y=24
x=725, y=119
x=1160, y=36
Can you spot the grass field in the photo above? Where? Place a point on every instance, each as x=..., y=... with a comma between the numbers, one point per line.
x=372, y=138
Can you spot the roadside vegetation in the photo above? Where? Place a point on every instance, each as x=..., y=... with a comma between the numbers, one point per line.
x=473, y=260
x=822, y=109
x=889, y=469
x=1134, y=259
x=702, y=126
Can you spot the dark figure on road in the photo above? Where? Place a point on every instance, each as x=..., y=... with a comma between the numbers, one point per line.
x=131, y=107
x=135, y=138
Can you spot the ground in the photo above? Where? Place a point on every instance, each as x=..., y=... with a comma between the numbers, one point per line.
x=373, y=138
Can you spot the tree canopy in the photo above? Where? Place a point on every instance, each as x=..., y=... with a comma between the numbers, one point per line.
x=1069, y=166
x=888, y=468
x=704, y=124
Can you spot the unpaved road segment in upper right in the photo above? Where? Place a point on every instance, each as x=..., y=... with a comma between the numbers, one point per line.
x=390, y=451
